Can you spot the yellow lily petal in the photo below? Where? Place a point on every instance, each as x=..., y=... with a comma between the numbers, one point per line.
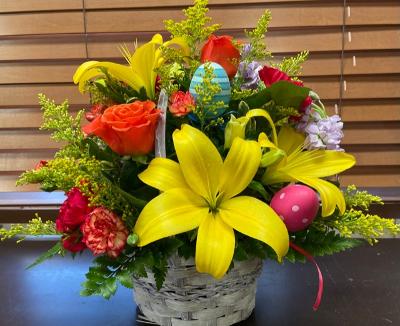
x=90, y=69
x=262, y=113
x=85, y=69
x=256, y=219
x=157, y=39
x=172, y=212
x=181, y=43
x=240, y=167
x=214, y=247
x=163, y=174
x=331, y=196
x=199, y=160
x=318, y=163
x=82, y=69
x=313, y=164
x=264, y=141
x=290, y=140
x=143, y=64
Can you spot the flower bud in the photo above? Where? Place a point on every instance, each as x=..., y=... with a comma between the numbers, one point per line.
x=271, y=157
x=133, y=239
x=236, y=127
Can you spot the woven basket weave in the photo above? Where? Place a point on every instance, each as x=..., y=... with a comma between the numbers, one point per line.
x=193, y=299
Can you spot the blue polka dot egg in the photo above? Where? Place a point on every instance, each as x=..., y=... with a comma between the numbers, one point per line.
x=220, y=78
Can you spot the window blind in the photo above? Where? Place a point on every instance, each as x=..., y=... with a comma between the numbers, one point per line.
x=354, y=66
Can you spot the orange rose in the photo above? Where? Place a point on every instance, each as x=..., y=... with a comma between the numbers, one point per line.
x=221, y=50
x=129, y=129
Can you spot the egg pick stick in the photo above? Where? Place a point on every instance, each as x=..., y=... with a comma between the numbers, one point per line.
x=160, y=131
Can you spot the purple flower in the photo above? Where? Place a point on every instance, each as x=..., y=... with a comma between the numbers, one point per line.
x=246, y=50
x=322, y=133
x=249, y=73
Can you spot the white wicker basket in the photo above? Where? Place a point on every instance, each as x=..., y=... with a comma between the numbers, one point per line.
x=193, y=299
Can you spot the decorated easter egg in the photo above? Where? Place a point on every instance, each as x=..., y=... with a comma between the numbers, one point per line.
x=297, y=206
x=221, y=78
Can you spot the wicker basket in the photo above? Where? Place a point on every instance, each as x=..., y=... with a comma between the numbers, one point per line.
x=193, y=299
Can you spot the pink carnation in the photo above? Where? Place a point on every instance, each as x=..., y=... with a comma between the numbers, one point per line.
x=181, y=103
x=104, y=232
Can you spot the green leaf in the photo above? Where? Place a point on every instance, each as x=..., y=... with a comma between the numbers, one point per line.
x=187, y=250
x=128, y=176
x=170, y=245
x=240, y=253
x=319, y=243
x=259, y=188
x=139, y=265
x=109, y=287
x=287, y=94
x=125, y=277
x=259, y=99
x=89, y=288
x=55, y=250
x=160, y=272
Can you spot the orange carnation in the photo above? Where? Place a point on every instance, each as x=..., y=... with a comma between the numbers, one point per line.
x=129, y=129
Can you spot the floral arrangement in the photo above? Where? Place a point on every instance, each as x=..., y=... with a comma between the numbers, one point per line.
x=204, y=146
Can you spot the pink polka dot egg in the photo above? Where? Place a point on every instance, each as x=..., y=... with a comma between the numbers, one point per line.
x=297, y=206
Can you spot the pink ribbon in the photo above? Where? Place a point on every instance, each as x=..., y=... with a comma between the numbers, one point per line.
x=310, y=258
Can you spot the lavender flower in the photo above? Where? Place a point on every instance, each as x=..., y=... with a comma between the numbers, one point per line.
x=246, y=50
x=322, y=133
x=249, y=73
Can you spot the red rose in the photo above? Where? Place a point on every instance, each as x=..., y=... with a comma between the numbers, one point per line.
x=73, y=212
x=129, y=129
x=181, y=103
x=271, y=75
x=221, y=50
x=73, y=243
x=305, y=104
x=104, y=232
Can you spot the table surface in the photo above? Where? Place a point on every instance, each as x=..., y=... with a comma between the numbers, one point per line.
x=362, y=287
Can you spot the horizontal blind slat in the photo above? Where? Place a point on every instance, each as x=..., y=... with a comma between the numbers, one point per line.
x=38, y=5
x=26, y=139
x=243, y=17
x=373, y=13
x=51, y=50
x=106, y=4
x=59, y=48
x=25, y=95
x=42, y=23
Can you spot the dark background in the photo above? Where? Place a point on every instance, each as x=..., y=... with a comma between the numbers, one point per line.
x=361, y=288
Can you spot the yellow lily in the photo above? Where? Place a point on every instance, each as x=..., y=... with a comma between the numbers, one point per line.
x=308, y=167
x=201, y=192
x=140, y=71
x=236, y=127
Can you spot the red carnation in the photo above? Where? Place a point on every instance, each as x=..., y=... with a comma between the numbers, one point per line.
x=73, y=211
x=73, y=242
x=104, y=232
